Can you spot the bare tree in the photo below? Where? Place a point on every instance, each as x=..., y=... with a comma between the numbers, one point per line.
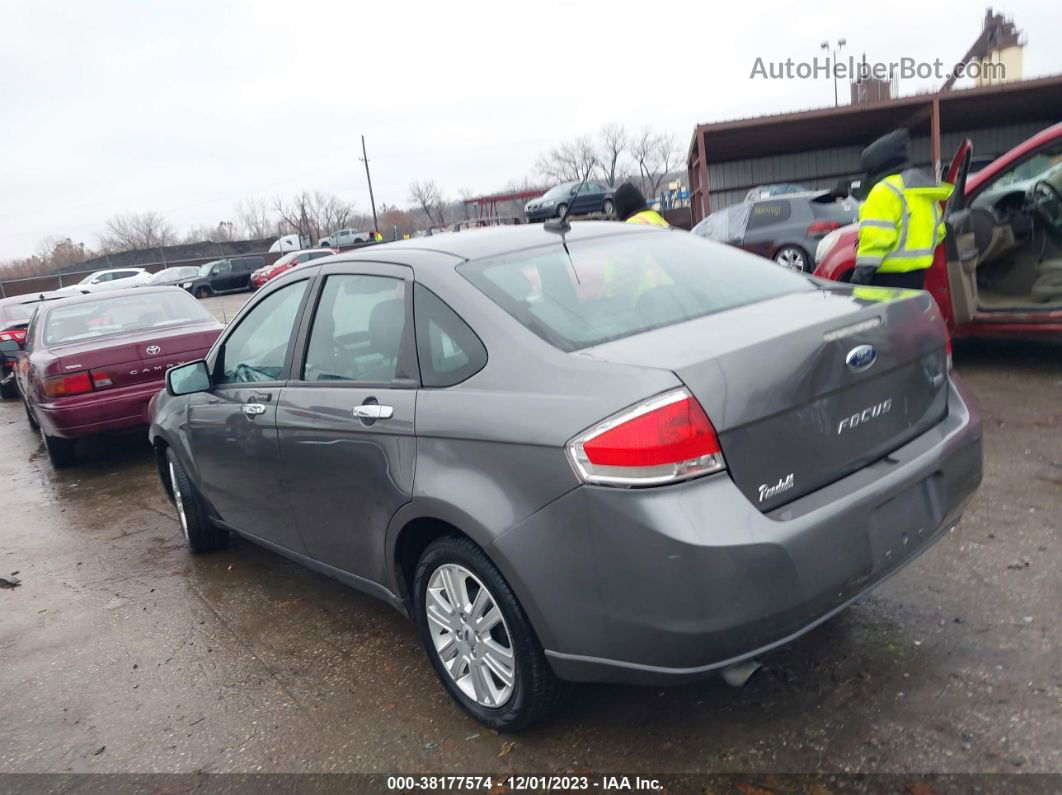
x=222, y=233
x=131, y=231
x=315, y=215
x=569, y=161
x=428, y=196
x=656, y=155
x=613, y=141
x=256, y=218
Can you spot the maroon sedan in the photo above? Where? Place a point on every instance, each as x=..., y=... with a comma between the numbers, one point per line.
x=92, y=363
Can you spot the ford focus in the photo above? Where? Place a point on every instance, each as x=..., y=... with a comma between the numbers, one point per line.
x=612, y=453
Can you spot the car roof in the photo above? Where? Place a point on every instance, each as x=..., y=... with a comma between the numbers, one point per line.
x=493, y=241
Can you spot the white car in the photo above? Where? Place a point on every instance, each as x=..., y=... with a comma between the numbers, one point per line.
x=113, y=279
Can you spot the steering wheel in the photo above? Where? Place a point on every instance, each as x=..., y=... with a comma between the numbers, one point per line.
x=1047, y=202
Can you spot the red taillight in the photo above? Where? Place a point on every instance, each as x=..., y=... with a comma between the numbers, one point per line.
x=66, y=385
x=664, y=439
x=16, y=334
x=820, y=228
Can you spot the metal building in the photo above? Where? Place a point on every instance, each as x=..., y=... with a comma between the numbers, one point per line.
x=819, y=148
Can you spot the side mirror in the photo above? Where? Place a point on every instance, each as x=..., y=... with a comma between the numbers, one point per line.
x=187, y=379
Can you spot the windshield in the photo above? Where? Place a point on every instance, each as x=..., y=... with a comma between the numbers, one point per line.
x=204, y=270
x=119, y=315
x=625, y=284
x=171, y=275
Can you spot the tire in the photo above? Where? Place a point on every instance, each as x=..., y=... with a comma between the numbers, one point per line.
x=202, y=292
x=200, y=534
x=608, y=207
x=533, y=691
x=560, y=209
x=29, y=417
x=8, y=390
x=60, y=451
x=793, y=257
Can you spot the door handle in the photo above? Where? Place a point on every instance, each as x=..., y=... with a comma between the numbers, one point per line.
x=373, y=411
x=253, y=409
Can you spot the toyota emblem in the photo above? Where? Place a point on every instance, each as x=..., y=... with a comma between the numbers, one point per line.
x=153, y=350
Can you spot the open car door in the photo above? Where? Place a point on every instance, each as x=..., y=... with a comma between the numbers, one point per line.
x=952, y=279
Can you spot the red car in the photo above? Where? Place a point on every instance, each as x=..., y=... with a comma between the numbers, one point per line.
x=287, y=262
x=92, y=363
x=1000, y=269
x=15, y=314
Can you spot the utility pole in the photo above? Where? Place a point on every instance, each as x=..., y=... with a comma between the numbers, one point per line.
x=365, y=159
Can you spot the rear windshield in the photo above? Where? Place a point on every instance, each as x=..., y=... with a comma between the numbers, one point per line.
x=19, y=312
x=121, y=314
x=622, y=285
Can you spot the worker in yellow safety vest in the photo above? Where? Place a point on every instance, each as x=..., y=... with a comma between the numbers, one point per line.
x=377, y=236
x=630, y=207
x=900, y=223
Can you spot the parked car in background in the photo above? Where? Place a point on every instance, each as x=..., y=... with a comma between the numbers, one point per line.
x=345, y=238
x=223, y=276
x=171, y=276
x=112, y=279
x=15, y=314
x=286, y=263
x=289, y=243
x=785, y=228
x=593, y=197
x=779, y=189
x=999, y=270
x=91, y=363
x=639, y=456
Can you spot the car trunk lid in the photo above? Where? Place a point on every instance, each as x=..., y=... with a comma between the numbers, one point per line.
x=806, y=388
x=134, y=358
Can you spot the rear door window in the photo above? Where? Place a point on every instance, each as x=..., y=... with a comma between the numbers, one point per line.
x=357, y=330
x=622, y=284
x=768, y=213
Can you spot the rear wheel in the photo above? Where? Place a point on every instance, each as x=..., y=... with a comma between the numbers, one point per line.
x=10, y=389
x=479, y=640
x=29, y=416
x=608, y=207
x=60, y=451
x=200, y=533
x=561, y=209
x=792, y=257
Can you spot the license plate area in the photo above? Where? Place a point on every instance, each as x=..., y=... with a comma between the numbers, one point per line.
x=901, y=525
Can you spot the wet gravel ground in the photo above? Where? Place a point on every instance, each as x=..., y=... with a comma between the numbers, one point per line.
x=121, y=652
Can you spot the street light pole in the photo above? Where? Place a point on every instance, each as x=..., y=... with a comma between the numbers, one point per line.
x=365, y=159
x=833, y=65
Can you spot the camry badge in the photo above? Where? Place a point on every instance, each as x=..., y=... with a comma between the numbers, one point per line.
x=861, y=358
x=155, y=350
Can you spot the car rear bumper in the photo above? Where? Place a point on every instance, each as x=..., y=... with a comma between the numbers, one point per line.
x=120, y=409
x=668, y=584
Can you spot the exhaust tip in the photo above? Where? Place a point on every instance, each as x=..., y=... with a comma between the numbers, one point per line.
x=738, y=675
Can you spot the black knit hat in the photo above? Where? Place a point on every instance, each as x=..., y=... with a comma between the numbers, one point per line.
x=890, y=154
x=628, y=200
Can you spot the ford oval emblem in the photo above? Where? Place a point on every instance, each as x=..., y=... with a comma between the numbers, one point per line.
x=861, y=358
x=155, y=350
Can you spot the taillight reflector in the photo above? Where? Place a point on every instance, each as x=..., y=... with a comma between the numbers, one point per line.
x=101, y=379
x=820, y=228
x=662, y=440
x=66, y=385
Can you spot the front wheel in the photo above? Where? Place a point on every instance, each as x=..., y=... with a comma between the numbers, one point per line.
x=792, y=257
x=479, y=639
x=200, y=534
x=561, y=209
x=608, y=207
x=202, y=292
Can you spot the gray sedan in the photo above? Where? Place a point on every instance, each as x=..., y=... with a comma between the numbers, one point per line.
x=625, y=454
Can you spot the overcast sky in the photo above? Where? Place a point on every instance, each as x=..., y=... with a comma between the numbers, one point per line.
x=185, y=107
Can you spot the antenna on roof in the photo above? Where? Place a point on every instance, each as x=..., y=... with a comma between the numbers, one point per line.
x=561, y=224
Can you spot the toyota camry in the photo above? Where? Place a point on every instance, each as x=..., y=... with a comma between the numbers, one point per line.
x=596, y=452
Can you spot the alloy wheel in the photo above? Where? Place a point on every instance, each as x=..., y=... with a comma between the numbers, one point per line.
x=791, y=258
x=178, y=501
x=470, y=635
